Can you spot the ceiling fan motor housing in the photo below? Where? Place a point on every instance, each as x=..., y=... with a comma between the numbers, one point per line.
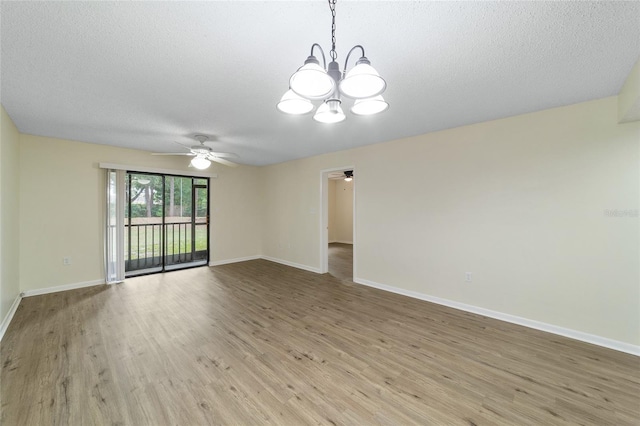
x=200, y=150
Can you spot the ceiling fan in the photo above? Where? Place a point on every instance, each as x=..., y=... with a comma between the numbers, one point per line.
x=203, y=154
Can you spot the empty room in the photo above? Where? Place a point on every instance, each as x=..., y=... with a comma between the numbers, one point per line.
x=319, y=212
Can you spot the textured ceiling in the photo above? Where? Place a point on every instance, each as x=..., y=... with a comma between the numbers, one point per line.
x=144, y=74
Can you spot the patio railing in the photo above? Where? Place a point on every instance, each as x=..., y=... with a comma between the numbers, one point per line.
x=144, y=245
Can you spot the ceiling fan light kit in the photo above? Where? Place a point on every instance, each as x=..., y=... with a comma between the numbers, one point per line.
x=200, y=163
x=312, y=82
x=202, y=154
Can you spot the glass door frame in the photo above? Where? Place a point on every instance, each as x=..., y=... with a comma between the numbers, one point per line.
x=194, y=216
x=165, y=266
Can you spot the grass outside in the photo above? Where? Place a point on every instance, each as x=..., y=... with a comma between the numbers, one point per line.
x=145, y=240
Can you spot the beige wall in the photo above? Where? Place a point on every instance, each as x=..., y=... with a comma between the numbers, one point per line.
x=9, y=213
x=236, y=210
x=343, y=203
x=291, y=212
x=629, y=96
x=523, y=203
x=518, y=202
x=62, y=208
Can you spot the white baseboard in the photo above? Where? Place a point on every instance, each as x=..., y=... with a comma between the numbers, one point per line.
x=292, y=264
x=7, y=319
x=549, y=328
x=236, y=260
x=64, y=287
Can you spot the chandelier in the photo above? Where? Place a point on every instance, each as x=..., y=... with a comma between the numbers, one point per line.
x=313, y=82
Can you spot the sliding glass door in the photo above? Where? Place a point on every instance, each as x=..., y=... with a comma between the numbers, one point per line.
x=166, y=223
x=186, y=222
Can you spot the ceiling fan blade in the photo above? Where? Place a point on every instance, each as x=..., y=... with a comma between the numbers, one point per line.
x=173, y=153
x=223, y=154
x=222, y=161
x=182, y=145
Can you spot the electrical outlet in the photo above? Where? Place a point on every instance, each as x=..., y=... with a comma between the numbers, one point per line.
x=467, y=277
x=66, y=261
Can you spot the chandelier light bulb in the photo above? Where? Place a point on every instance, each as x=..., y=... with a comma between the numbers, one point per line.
x=369, y=106
x=291, y=103
x=200, y=163
x=330, y=112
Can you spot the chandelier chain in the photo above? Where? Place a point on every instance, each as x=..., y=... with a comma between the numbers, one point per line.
x=332, y=6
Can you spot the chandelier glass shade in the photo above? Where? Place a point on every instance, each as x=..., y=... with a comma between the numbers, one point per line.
x=330, y=112
x=369, y=106
x=315, y=82
x=362, y=81
x=311, y=81
x=292, y=103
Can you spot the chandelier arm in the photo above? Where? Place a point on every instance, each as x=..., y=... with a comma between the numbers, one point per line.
x=324, y=61
x=346, y=61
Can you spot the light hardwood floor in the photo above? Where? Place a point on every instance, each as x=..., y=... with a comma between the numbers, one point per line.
x=341, y=261
x=258, y=342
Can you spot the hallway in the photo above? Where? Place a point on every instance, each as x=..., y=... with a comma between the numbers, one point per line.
x=341, y=261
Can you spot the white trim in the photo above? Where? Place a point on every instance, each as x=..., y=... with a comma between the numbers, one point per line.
x=236, y=260
x=63, y=287
x=7, y=319
x=292, y=264
x=354, y=262
x=549, y=328
x=156, y=170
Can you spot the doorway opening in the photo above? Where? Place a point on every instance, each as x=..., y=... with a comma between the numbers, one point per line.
x=338, y=223
x=166, y=223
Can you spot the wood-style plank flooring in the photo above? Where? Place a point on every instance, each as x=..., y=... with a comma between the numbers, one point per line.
x=341, y=261
x=262, y=343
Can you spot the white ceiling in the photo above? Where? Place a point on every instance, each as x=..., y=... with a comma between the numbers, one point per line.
x=144, y=74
